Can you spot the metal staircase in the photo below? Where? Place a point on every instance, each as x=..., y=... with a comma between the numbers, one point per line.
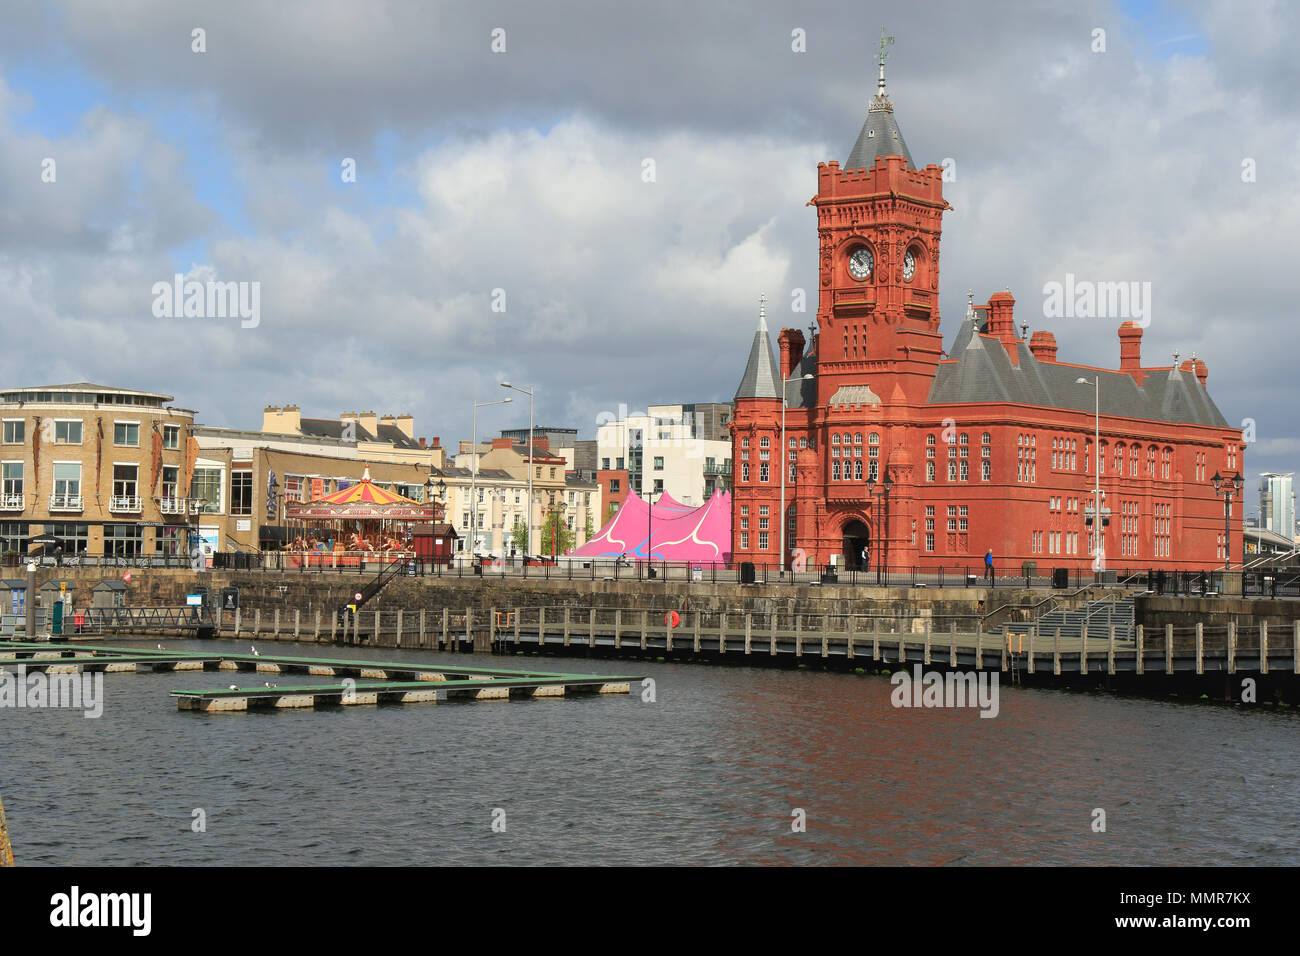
x=393, y=570
x=1099, y=616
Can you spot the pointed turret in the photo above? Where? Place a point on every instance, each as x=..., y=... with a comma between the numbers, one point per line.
x=761, y=379
x=880, y=135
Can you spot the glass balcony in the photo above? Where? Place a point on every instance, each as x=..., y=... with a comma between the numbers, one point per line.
x=124, y=504
x=11, y=502
x=65, y=503
x=172, y=506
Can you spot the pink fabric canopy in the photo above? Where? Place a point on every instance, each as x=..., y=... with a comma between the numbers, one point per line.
x=677, y=532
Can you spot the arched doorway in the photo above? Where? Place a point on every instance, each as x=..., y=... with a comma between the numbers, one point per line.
x=857, y=539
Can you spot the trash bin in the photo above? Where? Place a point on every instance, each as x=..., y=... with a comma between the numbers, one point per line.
x=830, y=575
x=971, y=580
x=747, y=572
x=1060, y=578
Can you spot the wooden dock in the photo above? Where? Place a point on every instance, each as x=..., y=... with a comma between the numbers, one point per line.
x=369, y=682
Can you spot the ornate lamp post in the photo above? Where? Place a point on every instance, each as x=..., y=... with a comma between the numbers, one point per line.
x=882, y=519
x=783, y=463
x=1226, y=487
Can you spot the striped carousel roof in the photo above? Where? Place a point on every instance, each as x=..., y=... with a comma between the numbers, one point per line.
x=364, y=493
x=363, y=500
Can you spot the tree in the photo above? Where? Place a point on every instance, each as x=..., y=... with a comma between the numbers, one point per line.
x=556, y=536
x=588, y=532
x=519, y=536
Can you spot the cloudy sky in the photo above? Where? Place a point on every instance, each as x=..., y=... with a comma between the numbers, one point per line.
x=522, y=171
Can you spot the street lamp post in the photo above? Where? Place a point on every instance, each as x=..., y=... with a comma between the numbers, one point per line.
x=529, y=392
x=1226, y=487
x=1096, y=470
x=882, y=520
x=783, y=464
x=473, y=480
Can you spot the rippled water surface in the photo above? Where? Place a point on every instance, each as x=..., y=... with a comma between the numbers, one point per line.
x=708, y=774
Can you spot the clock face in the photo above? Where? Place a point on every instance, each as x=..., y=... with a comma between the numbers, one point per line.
x=860, y=263
x=909, y=266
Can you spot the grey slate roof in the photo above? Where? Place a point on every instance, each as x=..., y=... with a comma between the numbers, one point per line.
x=391, y=433
x=761, y=379
x=983, y=372
x=803, y=394
x=880, y=136
x=330, y=428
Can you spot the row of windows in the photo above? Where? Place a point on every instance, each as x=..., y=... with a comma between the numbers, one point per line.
x=68, y=431
x=1054, y=542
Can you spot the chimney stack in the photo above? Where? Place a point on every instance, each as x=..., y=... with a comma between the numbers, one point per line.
x=1043, y=345
x=792, y=346
x=1002, y=322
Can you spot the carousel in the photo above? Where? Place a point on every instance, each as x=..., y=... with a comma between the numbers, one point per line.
x=354, y=526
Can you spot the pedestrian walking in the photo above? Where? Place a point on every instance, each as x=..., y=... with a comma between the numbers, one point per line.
x=988, y=567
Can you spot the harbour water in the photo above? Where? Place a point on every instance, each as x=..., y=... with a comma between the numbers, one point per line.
x=714, y=771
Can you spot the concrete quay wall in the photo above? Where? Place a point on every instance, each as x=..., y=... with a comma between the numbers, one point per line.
x=287, y=591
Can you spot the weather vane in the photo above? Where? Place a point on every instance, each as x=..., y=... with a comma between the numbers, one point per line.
x=884, y=42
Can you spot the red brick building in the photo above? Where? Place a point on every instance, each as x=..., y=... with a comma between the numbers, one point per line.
x=987, y=444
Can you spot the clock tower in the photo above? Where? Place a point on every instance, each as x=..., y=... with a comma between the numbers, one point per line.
x=879, y=223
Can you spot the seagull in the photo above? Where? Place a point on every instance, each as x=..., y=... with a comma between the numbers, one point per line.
x=160, y=647
x=234, y=687
x=254, y=649
x=269, y=684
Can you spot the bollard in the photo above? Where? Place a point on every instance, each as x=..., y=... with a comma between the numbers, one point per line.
x=6, y=848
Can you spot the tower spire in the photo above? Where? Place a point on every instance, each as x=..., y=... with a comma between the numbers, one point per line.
x=762, y=311
x=879, y=135
x=880, y=84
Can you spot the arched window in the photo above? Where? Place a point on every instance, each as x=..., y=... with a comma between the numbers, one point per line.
x=952, y=471
x=857, y=469
x=835, y=470
x=965, y=470
x=744, y=471
x=985, y=470
x=857, y=438
x=873, y=469
x=929, y=471
x=835, y=439
x=765, y=442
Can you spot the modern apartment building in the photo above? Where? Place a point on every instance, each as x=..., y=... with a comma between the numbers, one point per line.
x=103, y=470
x=684, y=450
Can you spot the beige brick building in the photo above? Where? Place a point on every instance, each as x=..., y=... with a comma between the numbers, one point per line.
x=104, y=470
